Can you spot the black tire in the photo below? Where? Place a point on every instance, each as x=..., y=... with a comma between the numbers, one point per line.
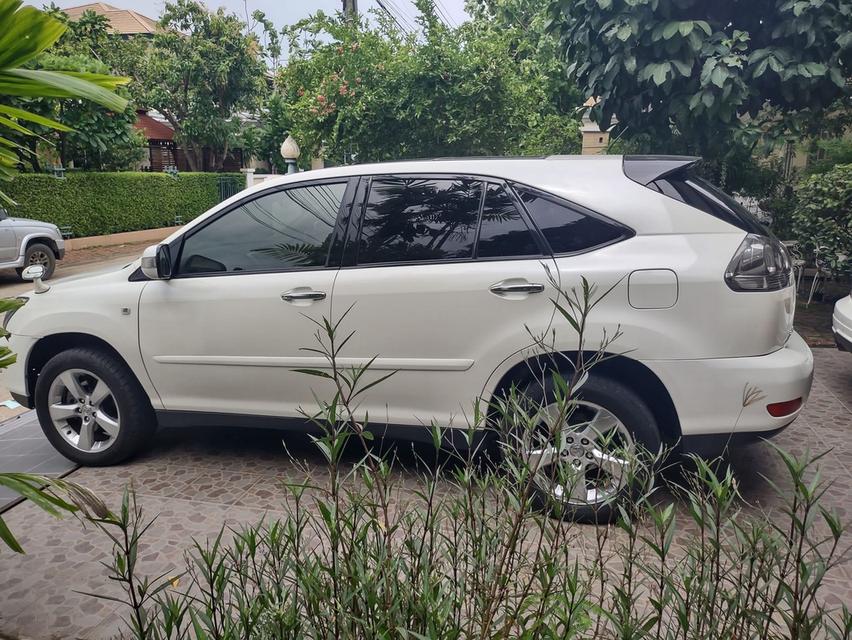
x=38, y=253
x=137, y=420
x=630, y=410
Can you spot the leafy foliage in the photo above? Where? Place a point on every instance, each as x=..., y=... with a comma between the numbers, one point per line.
x=833, y=152
x=200, y=71
x=102, y=138
x=369, y=92
x=694, y=73
x=99, y=139
x=100, y=203
x=25, y=32
x=822, y=220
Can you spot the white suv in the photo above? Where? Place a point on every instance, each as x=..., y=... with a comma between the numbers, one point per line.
x=443, y=265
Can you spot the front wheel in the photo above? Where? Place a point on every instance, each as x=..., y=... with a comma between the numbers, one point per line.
x=586, y=456
x=91, y=407
x=38, y=253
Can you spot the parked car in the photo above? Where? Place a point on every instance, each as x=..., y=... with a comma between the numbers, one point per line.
x=443, y=266
x=25, y=242
x=841, y=323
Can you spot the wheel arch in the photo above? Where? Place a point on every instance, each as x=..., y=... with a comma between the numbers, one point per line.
x=35, y=238
x=627, y=371
x=49, y=346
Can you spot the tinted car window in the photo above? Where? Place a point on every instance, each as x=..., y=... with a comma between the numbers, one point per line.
x=566, y=229
x=419, y=219
x=503, y=232
x=698, y=193
x=282, y=230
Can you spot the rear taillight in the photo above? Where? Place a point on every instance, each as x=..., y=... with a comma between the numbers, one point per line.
x=760, y=264
x=782, y=409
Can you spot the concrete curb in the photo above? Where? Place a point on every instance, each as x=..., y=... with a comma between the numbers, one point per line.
x=129, y=237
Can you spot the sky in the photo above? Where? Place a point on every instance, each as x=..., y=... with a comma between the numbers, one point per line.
x=281, y=12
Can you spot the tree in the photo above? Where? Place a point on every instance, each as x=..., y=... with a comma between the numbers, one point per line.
x=101, y=139
x=25, y=32
x=353, y=89
x=693, y=75
x=200, y=72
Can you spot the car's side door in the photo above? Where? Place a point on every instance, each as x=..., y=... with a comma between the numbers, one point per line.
x=443, y=274
x=227, y=331
x=8, y=240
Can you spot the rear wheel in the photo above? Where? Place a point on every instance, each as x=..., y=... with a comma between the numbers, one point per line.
x=584, y=458
x=92, y=408
x=38, y=253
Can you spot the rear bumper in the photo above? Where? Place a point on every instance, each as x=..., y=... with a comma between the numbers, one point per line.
x=725, y=399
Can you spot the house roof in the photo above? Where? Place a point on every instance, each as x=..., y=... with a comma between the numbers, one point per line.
x=122, y=21
x=153, y=129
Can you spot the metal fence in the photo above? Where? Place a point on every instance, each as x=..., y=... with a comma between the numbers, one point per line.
x=230, y=185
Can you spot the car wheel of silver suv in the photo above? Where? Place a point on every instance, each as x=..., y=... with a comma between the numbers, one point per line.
x=92, y=408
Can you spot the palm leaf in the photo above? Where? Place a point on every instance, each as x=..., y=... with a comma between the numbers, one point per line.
x=39, y=83
x=25, y=32
x=14, y=126
x=22, y=114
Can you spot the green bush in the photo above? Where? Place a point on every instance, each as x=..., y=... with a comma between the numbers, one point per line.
x=100, y=203
x=822, y=220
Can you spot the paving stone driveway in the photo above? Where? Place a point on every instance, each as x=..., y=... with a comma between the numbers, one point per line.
x=197, y=481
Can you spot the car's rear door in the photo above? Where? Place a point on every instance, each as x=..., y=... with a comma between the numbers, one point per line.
x=225, y=334
x=442, y=276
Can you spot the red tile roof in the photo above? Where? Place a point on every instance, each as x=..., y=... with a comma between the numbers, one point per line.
x=153, y=129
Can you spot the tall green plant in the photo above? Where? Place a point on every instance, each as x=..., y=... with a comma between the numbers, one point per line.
x=25, y=32
x=465, y=553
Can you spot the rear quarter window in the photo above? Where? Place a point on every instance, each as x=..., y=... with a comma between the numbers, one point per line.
x=565, y=227
x=705, y=196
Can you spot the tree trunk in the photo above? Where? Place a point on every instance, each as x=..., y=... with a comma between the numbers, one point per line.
x=219, y=159
x=191, y=157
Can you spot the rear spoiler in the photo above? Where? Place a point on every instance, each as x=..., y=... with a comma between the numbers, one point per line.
x=647, y=169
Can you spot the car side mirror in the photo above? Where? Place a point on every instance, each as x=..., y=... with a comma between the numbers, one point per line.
x=35, y=272
x=157, y=262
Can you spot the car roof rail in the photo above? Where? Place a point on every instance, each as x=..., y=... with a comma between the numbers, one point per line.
x=647, y=169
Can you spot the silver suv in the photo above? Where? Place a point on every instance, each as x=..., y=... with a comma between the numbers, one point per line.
x=24, y=242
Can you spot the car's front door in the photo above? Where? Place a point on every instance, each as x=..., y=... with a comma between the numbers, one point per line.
x=8, y=240
x=448, y=275
x=226, y=332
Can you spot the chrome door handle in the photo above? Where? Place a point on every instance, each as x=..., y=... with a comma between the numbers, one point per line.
x=302, y=294
x=503, y=288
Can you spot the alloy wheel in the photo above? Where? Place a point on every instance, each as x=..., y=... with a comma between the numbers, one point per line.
x=83, y=410
x=584, y=460
x=39, y=257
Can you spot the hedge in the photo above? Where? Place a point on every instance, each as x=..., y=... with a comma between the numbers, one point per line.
x=822, y=219
x=100, y=203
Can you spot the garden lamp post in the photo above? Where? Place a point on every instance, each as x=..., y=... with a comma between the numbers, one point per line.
x=290, y=153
